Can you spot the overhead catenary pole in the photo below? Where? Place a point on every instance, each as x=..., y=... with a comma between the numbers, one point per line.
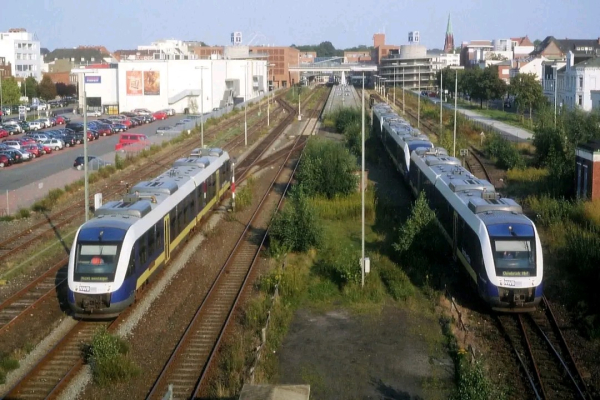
x=394, y=84
x=455, y=108
x=85, y=156
x=403, y=68
x=362, y=186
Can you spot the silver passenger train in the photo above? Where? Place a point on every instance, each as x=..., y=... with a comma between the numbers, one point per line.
x=496, y=243
x=127, y=241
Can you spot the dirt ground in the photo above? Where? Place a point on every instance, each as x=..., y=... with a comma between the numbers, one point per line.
x=346, y=356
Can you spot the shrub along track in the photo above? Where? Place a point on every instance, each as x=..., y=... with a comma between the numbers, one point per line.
x=191, y=360
x=70, y=362
x=28, y=297
x=543, y=354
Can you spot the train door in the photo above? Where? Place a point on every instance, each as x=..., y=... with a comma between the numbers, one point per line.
x=454, y=235
x=218, y=183
x=167, y=238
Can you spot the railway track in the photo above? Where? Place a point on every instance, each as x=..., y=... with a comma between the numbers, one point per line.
x=46, y=228
x=188, y=365
x=44, y=379
x=63, y=361
x=543, y=354
x=47, y=284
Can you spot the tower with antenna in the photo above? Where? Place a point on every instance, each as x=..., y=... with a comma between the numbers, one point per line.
x=449, y=41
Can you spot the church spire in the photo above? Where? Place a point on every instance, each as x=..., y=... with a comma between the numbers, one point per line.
x=449, y=40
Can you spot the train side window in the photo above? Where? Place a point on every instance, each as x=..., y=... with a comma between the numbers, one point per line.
x=151, y=240
x=131, y=265
x=143, y=249
x=158, y=228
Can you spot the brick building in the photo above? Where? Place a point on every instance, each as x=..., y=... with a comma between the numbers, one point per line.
x=307, y=57
x=381, y=50
x=587, y=175
x=5, y=68
x=358, y=56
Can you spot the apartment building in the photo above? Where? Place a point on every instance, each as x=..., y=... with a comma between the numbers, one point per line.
x=22, y=50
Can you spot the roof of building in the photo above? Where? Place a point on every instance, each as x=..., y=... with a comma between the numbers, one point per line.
x=592, y=146
x=77, y=54
x=591, y=62
x=522, y=41
x=566, y=45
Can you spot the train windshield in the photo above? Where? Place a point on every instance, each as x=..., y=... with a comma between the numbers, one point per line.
x=515, y=257
x=96, y=261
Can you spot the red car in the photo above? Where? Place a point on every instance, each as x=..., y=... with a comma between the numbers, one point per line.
x=4, y=133
x=60, y=120
x=27, y=141
x=4, y=161
x=33, y=149
x=47, y=149
x=104, y=131
x=160, y=115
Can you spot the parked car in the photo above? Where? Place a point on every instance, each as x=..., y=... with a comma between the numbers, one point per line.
x=33, y=149
x=45, y=122
x=118, y=127
x=4, y=133
x=56, y=144
x=35, y=125
x=5, y=161
x=94, y=113
x=63, y=118
x=160, y=115
x=25, y=156
x=166, y=129
x=142, y=111
x=15, y=157
x=93, y=162
x=12, y=129
x=13, y=144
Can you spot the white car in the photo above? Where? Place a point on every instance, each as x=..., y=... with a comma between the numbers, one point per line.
x=95, y=113
x=14, y=144
x=46, y=121
x=35, y=125
x=56, y=144
x=42, y=106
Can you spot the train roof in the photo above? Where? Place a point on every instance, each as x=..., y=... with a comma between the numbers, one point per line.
x=145, y=196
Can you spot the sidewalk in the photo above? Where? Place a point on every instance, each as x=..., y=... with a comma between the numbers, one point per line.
x=489, y=125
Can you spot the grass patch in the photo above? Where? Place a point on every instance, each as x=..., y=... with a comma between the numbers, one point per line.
x=23, y=213
x=7, y=364
x=107, y=356
x=243, y=197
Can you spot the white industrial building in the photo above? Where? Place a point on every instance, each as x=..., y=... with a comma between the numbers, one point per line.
x=22, y=50
x=177, y=84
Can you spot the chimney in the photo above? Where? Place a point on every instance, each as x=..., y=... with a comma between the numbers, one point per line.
x=570, y=59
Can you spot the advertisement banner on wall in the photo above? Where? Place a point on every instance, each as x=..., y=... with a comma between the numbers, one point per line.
x=93, y=79
x=152, y=83
x=134, y=83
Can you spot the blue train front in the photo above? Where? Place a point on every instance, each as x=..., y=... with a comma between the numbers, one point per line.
x=115, y=253
x=496, y=243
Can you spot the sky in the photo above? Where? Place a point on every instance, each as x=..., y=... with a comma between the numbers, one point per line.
x=125, y=24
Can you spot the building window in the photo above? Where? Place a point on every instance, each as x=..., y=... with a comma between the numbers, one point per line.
x=581, y=82
x=580, y=100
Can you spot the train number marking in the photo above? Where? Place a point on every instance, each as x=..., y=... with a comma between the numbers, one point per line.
x=84, y=288
x=509, y=282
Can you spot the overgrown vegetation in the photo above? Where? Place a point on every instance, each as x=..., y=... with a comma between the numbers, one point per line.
x=505, y=153
x=327, y=169
x=7, y=364
x=244, y=196
x=108, y=358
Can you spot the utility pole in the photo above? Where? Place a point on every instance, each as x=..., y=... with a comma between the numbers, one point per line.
x=394, y=84
x=85, y=156
x=403, y=90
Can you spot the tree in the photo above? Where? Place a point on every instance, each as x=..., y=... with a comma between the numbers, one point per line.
x=485, y=84
x=450, y=77
x=527, y=91
x=537, y=42
x=47, y=89
x=29, y=88
x=10, y=91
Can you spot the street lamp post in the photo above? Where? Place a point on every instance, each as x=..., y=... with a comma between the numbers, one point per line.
x=441, y=101
x=246, y=105
x=403, y=68
x=394, y=84
x=202, y=68
x=268, y=96
x=555, y=68
x=85, y=140
x=455, y=107
x=362, y=188
x=419, y=100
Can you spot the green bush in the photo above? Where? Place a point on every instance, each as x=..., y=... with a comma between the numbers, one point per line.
x=418, y=232
x=54, y=195
x=119, y=162
x=327, y=168
x=107, y=356
x=243, y=196
x=507, y=155
x=296, y=227
x=24, y=213
x=339, y=263
x=7, y=364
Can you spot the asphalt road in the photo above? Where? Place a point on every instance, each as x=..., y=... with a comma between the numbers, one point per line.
x=19, y=175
